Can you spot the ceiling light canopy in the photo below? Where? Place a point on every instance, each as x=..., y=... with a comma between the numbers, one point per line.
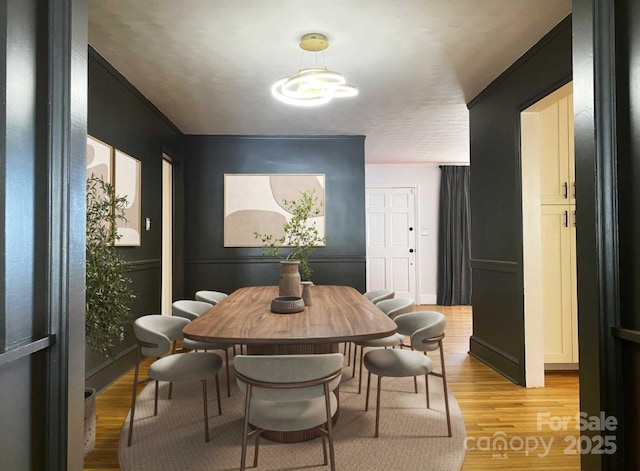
x=312, y=86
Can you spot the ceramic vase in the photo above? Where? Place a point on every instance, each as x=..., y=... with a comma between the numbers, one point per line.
x=289, y=278
x=306, y=292
x=89, y=420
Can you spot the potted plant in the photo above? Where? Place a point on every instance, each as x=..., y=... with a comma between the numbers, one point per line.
x=299, y=239
x=108, y=285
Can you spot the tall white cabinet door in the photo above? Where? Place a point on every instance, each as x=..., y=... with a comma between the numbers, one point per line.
x=557, y=168
x=558, y=270
x=391, y=240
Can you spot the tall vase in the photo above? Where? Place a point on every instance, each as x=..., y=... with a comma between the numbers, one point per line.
x=306, y=292
x=289, y=278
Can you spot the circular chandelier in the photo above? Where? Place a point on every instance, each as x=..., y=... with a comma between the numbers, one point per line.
x=312, y=86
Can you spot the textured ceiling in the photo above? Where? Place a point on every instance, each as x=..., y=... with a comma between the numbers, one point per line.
x=209, y=64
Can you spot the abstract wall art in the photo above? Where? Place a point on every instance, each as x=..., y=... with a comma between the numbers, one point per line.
x=99, y=156
x=128, y=172
x=255, y=203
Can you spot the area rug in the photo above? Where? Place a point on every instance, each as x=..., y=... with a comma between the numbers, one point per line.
x=412, y=437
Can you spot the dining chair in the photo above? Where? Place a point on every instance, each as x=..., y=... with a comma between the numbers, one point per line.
x=154, y=335
x=287, y=393
x=191, y=310
x=392, y=308
x=426, y=331
x=375, y=296
x=214, y=297
x=211, y=297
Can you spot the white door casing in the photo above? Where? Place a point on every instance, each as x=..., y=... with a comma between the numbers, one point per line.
x=391, y=240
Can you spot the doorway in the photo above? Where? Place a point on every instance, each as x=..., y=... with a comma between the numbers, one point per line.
x=391, y=239
x=167, y=235
x=549, y=235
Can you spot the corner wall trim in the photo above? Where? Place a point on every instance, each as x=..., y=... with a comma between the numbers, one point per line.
x=510, y=358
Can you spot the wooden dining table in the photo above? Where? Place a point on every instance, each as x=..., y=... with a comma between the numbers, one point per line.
x=338, y=314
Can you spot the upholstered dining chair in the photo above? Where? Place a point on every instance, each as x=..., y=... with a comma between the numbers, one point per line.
x=426, y=331
x=286, y=393
x=191, y=310
x=392, y=308
x=154, y=335
x=211, y=297
x=375, y=296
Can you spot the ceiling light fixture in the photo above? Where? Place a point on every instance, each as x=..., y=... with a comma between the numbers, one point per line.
x=312, y=86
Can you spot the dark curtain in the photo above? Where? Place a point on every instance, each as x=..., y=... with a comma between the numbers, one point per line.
x=454, y=237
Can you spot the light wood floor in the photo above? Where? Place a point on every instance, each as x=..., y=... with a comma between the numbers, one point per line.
x=492, y=407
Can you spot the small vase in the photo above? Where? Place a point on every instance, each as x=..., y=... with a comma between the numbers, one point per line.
x=89, y=420
x=306, y=292
x=289, y=278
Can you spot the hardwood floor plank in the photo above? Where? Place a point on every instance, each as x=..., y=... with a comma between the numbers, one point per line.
x=491, y=405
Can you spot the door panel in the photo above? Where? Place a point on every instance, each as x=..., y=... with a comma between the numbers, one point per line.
x=391, y=240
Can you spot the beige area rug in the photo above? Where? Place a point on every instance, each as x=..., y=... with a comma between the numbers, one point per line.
x=412, y=437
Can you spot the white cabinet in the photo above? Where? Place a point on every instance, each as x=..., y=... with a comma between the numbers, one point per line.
x=557, y=164
x=558, y=233
x=559, y=300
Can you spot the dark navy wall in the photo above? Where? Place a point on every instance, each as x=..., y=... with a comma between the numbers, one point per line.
x=121, y=117
x=496, y=199
x=209, y=265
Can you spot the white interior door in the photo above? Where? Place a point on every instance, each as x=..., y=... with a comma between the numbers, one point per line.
x=391, y=240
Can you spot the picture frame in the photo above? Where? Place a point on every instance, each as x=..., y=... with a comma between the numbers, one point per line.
x=255, y=203
x=128, y=183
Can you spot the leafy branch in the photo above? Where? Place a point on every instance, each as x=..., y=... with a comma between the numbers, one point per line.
x=300, y=235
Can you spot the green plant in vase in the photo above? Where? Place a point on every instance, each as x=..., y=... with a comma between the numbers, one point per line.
x=300, y=236
x=108, y=285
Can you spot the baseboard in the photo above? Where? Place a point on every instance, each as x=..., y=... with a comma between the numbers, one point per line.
x=430, y=299
x=561, y=366
x=111, y=369
x=505, y=364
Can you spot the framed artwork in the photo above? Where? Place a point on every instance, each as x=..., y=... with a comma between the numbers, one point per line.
x=128, y=172
x=255, y=203
x=99, y=158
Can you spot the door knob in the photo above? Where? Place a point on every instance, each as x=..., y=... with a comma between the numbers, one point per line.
x=410, y=250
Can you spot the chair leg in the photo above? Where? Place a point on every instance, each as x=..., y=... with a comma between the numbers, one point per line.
x=324, y=449
x=218, y=395
x=366, y=404
x=256, y=451
x=133, y=396
x=444, y=386
x=361, y=365
x=155, y=405
x=378, y=405
x=426, y=389
x=327, y=402
x=355, y=355
x=226, y=354
x=206, y=412
x=415, y=384
x=173, y=350
x=245, y=429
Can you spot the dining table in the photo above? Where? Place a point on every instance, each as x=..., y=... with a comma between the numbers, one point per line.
x=337, y=314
